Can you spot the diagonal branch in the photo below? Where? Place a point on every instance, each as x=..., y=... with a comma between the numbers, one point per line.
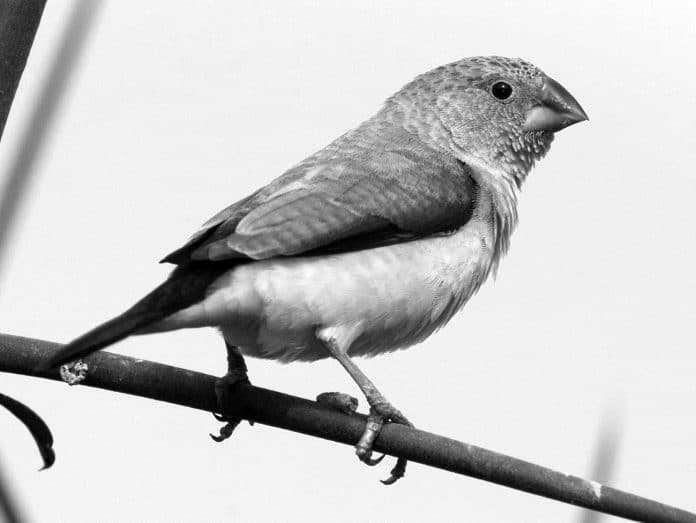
x=192, y=389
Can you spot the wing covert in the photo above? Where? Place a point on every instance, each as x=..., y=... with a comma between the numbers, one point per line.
x=394, y=189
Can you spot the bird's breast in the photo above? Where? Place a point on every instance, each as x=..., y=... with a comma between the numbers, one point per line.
x=388, y=298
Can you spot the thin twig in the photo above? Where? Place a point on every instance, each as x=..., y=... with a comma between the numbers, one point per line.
x=192, y=389
x=22, y=166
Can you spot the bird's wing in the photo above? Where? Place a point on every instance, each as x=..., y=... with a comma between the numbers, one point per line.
x=346, y=197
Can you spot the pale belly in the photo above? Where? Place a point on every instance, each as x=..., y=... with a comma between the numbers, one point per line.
x=386, y=298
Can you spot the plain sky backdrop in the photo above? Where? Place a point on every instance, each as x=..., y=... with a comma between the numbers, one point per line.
x=180, y=108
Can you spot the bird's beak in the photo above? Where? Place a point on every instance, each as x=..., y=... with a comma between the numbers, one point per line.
x=556, y=110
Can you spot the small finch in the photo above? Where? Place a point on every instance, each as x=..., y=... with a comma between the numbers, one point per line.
x=370, y=244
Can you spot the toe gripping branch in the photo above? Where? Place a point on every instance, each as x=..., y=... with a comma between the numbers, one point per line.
x=237, y=375
x=363, y=449
x=224, y=387
x=379, y=414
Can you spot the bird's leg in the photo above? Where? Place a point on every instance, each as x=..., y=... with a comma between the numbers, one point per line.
x=236, y=375
x=381, y=411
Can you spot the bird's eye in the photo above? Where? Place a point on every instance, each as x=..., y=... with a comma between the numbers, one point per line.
x=501, y=90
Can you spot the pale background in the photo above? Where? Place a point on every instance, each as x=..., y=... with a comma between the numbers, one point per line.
x=180, y=108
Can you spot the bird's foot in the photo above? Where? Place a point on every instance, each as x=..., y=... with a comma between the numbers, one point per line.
x=381, y=411
x=348, y=405
x=74, y=373
x=339, y=401
x=223, y=386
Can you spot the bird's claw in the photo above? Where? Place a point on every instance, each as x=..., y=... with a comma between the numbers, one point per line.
x=74, y=373
x=368, y=460
x=233, y=378
x=380, y=412
x=230, y=423
x=398, y=472
x=227, y=429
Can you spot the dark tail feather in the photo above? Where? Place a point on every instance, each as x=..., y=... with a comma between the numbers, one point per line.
x=102, y=336
x=186, y=286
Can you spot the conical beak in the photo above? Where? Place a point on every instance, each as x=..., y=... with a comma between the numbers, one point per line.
x=557, y=109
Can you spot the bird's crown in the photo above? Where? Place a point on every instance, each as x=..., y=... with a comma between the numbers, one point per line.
x=499, y=112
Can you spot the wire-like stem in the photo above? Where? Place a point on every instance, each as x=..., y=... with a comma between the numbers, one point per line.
x=192, y=389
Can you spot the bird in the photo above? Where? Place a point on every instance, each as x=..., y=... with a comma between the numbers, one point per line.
x=370, y=244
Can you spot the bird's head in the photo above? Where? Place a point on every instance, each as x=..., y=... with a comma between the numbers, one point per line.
x=498, y=112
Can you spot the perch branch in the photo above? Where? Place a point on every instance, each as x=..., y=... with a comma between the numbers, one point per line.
x=192, y=389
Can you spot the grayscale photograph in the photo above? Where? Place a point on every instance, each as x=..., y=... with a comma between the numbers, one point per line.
x=347, y=261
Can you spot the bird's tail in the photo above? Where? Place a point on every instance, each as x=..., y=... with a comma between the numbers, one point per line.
x=186, y=286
